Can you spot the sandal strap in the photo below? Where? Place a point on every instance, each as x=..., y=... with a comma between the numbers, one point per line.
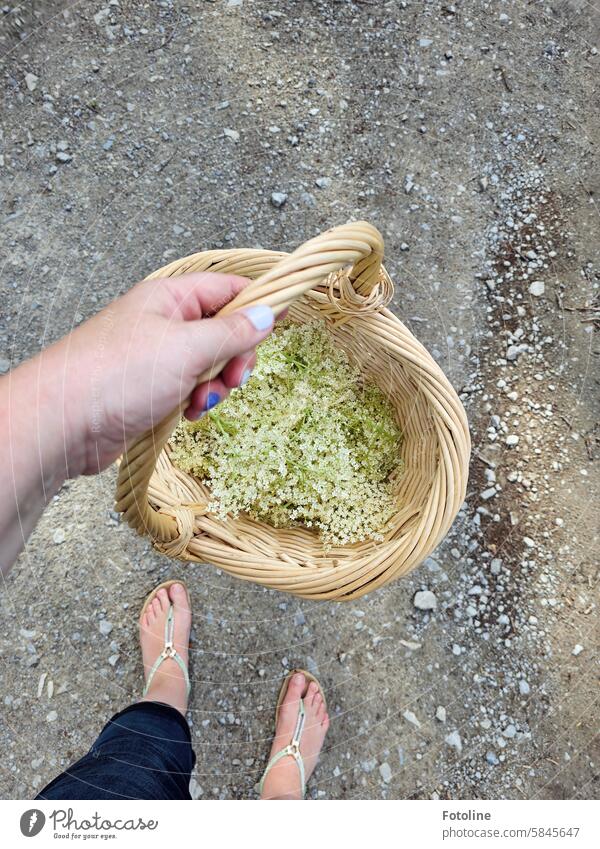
x=169, y=651
x=293, y=750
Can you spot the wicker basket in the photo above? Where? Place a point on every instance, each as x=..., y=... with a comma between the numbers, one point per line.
x=338, y=276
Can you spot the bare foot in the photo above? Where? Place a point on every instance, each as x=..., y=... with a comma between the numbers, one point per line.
x=283, y=779
x=168, y=684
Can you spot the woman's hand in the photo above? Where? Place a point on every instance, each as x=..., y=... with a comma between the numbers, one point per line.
x=72, y=409
x=139, y=358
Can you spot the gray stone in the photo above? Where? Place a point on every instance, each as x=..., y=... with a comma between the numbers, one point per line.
x=312, y=666
x=308, y=199
x=195, y=789
x=496, y=566
x=385, y=771
x=453, y=739
x=409, y=716
x=425, y=600
x=513, y=352
x=537, y=288
x=278, y=199
x=101, y=16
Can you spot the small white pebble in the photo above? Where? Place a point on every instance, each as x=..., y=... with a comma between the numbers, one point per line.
x=453, y=739
x=425, y=600
x=386, y=772
x=409, y=716
x=537, y=288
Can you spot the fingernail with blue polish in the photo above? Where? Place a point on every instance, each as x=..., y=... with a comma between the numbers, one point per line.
x=260, y=316
x=212, y=400
x=246, y=376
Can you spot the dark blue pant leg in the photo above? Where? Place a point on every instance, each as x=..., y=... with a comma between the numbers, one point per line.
x=143, y=752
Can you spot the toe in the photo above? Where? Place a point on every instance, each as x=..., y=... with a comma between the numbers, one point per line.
x=294, y=692
x=179, y=597
x=289, y=706
x=295, y=688
x=156, y=607
x=325, y=723
x=162, y=597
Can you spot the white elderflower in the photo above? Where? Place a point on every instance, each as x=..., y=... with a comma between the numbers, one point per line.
x=304, y=443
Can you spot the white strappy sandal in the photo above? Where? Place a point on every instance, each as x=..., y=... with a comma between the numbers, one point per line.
x=169, y=650
x=293, y=748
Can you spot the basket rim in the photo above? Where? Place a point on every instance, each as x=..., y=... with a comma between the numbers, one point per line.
x=182, y=529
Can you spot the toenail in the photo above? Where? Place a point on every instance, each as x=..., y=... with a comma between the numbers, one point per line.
x=298, y=678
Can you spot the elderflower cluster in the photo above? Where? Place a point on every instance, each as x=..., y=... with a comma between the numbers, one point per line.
x=304, y=443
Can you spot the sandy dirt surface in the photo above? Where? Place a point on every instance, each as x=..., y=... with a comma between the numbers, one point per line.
x=135, y=132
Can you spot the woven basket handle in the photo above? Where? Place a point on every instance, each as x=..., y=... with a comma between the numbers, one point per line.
x=358, y=246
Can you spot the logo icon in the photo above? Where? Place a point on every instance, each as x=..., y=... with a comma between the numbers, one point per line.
x=32, y=822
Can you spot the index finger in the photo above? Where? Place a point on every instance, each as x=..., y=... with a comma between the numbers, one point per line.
x=199, y=294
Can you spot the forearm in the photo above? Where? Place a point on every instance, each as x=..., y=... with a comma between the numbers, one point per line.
x=72, y=409
x=39, y=443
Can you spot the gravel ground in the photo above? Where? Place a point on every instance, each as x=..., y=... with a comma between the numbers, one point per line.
x=133, y=133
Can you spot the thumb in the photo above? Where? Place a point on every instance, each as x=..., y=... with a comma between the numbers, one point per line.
x=214, y=341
